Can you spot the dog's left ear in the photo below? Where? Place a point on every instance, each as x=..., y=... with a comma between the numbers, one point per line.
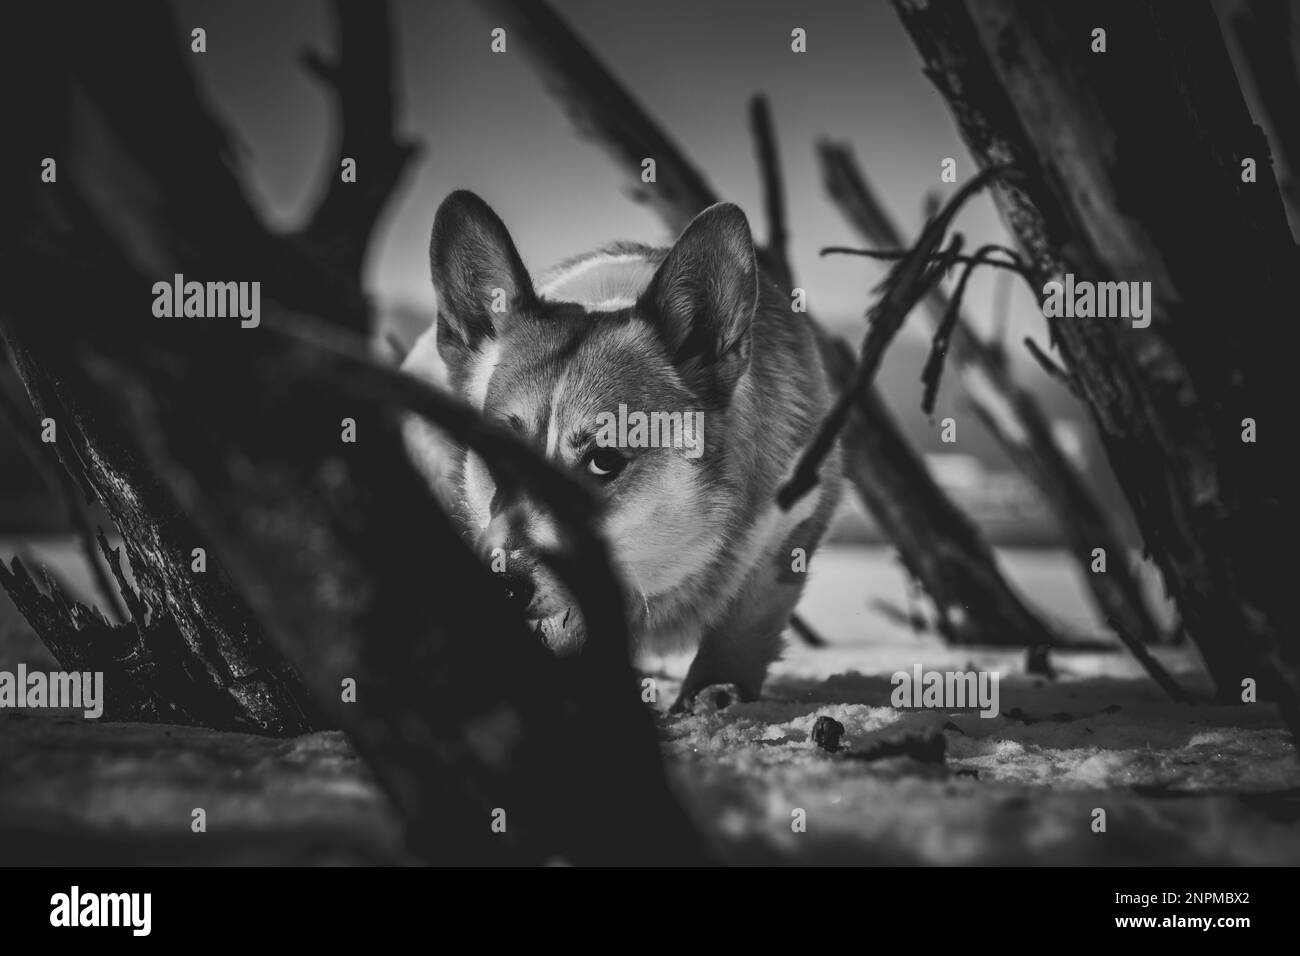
x=477, y=273
x=703, y=298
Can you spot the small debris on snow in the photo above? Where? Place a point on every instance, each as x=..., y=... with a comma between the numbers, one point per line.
x=1039, y=662
x=826, y=733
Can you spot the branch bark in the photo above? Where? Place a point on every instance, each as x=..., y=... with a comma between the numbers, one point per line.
x=1017, y=421
x=1096, y=199
x=1264, y=32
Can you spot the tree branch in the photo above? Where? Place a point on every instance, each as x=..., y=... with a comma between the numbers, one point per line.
x=769, y=165
x=360, y=80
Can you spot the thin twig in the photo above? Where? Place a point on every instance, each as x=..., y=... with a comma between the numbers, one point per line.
x=932, y=374
x=909, y=281
x=882, y=322
x=1050, y=367
x=1012, y=264
x=806, y=632
x=1001, y=316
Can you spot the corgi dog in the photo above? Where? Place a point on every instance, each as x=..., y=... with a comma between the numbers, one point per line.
x=693, y=334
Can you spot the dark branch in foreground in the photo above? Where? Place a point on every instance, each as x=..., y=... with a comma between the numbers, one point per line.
x=1169, y=402
x=360, y=80
x=328, y=562
x=61, y=482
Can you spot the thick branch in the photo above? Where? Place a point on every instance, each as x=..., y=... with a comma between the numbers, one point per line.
x=58, y=480
x=361, y=82
x=1263, y=29
x=1169, y=398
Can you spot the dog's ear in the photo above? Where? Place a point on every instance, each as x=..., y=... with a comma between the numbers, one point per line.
x=703, y=298
x=480, y=280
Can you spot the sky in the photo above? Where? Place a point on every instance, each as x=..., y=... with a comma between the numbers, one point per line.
x=486, y=124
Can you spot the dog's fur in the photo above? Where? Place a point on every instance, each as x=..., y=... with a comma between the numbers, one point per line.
x=705, y=553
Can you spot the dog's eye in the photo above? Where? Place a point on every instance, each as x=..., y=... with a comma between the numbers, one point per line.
x=605, y=464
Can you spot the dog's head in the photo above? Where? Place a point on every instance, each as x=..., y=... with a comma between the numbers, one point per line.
x=673, y=340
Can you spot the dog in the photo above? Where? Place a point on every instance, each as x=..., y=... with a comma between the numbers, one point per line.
x=695, y=334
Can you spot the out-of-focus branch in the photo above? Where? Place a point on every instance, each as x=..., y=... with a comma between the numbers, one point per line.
x=1048, y=365
x=1264, y=31
x=360, y=79
x=769, y=166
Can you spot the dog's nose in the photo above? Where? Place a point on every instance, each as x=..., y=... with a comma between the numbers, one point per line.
x=519, y=586
x=497, y=543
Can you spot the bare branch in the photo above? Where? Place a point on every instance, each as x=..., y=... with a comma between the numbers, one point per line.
x=60, y=481
x=933, y=371
x=769, y=165
x=1046, y=363
x=360, y=79
x=892, y=255
x=1263, y=29
x=806, y=632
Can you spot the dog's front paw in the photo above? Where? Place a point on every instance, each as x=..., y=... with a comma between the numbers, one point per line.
x=708, y=700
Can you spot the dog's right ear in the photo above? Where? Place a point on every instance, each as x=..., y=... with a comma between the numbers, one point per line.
x=478, y=275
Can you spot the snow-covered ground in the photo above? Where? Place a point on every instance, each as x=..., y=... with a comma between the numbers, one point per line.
x=1178, y=783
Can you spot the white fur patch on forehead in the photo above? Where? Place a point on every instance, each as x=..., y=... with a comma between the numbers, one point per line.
x=602, y=282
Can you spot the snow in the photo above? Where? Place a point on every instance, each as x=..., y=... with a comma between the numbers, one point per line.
x=1179, y=784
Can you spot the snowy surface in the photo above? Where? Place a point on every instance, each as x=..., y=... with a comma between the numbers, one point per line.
x=1179, y=783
